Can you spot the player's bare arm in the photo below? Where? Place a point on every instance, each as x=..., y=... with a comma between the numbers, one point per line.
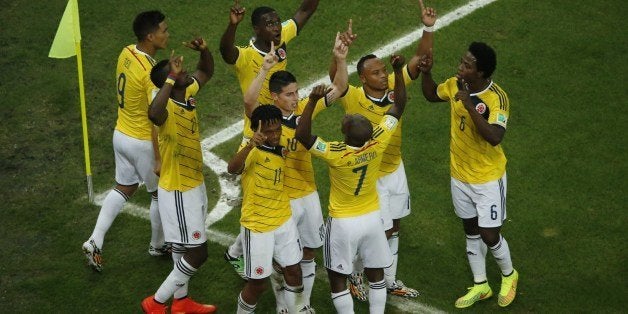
x=228, y=50
x=236, y=164
x=304, y=12
x=396, y=110
x=157, y=112
x=428, y=18
x=347, y=37
x=341, y=76
x=205, y=66
x=490, y=132
x=428, y=86
x=252, y=93
x=304, y=128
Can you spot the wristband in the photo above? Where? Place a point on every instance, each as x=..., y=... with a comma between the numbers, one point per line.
x=429, y=29
x=170, y=81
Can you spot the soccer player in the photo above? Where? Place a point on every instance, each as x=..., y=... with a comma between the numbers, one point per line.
x=299, y=176
x=269, y=232
x=247, y=61
x=354, y=224
x=372, y=100
x=479, y=115
x=182, y=194
x=134, y=139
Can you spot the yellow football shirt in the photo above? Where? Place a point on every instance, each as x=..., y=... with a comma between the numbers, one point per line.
x=299, y=179
x=135, y=92
x=179, y=145
x=472, y=158
x=357, y=101
x=249, y=61
x=265, y=203
x=353, y=171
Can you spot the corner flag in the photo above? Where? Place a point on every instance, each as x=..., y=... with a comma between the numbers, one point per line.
x=67, y=43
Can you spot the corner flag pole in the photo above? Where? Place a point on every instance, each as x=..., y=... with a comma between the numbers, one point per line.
x=67, y=43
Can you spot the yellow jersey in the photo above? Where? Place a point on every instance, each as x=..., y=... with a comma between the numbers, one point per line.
x=356, y=100
x=265, y=203
x=299, y=179
x=472, y=158
x=353, y=171
x=135, y=92
x=249, y=61
x=179, y=145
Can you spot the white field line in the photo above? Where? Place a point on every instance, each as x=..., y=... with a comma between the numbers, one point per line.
x=229, y=188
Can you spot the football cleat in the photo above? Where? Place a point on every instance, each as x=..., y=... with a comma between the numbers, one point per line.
x=356, y=287
x=187, y=305
x=399, y=289
x=150, y=306
x=159, y=251
x=478, y=292
x=509, y=289
x=307, y=310
x=237, y=263
x=93, y=255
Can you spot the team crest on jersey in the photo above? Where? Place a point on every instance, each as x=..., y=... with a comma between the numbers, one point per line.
x=284, y=152
x=196, y=235
x=192, y=102
x=267, y=159
x=321, y=147
x=259, y=270
x=391, y=96
x=480, y=108
x=281, y=53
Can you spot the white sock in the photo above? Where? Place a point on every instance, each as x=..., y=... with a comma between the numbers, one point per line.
x=377, y=297
x=308, y=269
x=110, y=209
x=294, y=298
x=390, y=273
x=476, y=254
x=235, y=249
x=157, y=231
x=501, y=252
x=243, y=307
x=177, y=254
x=277, y=283
x=343, y=302
x=178, y=277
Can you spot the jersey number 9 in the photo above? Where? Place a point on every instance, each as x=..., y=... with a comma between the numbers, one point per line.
x=121, y=84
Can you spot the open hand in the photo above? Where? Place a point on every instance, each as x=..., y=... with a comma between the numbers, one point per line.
x=318, y=92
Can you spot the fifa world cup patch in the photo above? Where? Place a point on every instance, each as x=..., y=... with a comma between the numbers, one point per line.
x=321, y=147
x=502, y=118
x=390, y=122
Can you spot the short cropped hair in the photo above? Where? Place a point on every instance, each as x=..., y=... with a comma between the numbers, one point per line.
x=362, y=60
x=159, y=73
x=359, y=128
x=265, y=114
x=257, y=14
x=279, y=80
x=146, y=23
x=485, y=57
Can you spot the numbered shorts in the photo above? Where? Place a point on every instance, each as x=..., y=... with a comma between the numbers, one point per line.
x=487, y=201
x=362, y=235
x=260, y=248
x=307, y=214
x=394, y=196
x=135, y=161
x=183, y=215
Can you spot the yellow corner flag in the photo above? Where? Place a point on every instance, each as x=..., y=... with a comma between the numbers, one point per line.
x=68, y=33
x=67, y=43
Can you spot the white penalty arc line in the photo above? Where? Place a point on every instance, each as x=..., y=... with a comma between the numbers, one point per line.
x=229, y=188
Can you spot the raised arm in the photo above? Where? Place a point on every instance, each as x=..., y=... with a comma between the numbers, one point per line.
x=428, y=17
x=341, y=77
x=205, y=66
x=157, y=112
x=252, y=93
x=304, y=12
x=347, y=37
x=304, y=128
x=428, y=86
x=396, y=110
x=228, y=50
